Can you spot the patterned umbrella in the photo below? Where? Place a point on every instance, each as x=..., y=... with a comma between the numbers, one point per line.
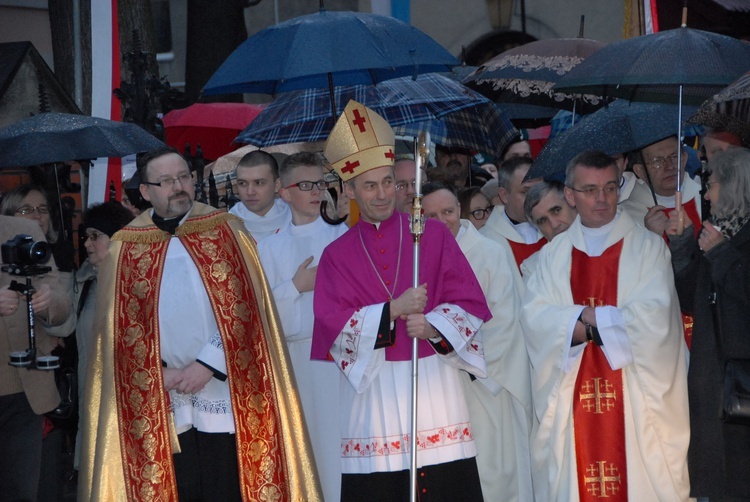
x=480, y=128
x=521, y=78
x=302, y=116
x=729, y=110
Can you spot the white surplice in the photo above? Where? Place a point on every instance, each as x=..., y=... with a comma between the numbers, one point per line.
x=499, y=405
x=317, y=381
x=642, y=335
x=274, y=221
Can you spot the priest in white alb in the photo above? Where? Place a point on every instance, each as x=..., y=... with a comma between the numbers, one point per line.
x=604, y=335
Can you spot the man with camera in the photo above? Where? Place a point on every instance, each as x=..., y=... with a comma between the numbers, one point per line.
x=25, y=394
x=189, y=394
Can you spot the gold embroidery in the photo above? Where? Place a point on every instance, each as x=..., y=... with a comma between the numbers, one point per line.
x=133, y=334
x=601, y=397
x=257, y=450
x=139, y=427
x=221, y=270
x=141, y=288
x=601, y=480
x=257, y=402
x=142, y=380
x=153, y=473
x=270, y=493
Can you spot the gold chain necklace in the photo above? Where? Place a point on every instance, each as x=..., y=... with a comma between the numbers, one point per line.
x=398, y=261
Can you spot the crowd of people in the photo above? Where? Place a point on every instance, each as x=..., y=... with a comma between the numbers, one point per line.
x=571, y=336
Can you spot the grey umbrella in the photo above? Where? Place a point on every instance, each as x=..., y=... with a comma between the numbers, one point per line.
x=58, y=137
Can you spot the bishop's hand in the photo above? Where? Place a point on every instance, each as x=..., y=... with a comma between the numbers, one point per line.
x=411, y=301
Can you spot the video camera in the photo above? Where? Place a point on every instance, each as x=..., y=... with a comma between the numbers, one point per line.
x=22, y=256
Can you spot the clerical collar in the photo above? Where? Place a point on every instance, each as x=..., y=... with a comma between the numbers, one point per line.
x=167, y=224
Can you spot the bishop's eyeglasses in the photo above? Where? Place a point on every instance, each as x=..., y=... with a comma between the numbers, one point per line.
x=591, y=191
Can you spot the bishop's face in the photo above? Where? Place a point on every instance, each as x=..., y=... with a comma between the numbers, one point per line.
x=375, y=193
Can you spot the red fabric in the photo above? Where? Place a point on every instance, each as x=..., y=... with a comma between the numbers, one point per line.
x=114, y=166
x=598, y=406
x=521, y=251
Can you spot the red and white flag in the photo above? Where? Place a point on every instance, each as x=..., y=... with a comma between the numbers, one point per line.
x=105, y=77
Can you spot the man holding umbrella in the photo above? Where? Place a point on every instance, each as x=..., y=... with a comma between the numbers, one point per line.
x=366, y=315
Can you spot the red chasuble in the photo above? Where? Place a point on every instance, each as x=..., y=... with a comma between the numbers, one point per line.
x=691, y=209
x=598, y=407
x=521, y=251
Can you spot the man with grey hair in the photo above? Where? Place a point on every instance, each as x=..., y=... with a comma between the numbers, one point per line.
x=603, y=333
x=507, y=223
x=546, y=208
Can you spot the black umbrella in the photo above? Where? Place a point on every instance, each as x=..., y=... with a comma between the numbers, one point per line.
x=58, y=137
x=522, y=78
x=653, y=67
x=619, y=127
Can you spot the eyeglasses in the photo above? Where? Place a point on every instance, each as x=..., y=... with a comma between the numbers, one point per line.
x=306, y=186
x=26, y=210
x=403, y=185
x=608, y=190
x=480, y=214
x=661, y=162
x=184, y=179
x=93, y=236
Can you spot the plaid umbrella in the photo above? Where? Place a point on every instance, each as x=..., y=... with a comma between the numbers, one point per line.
x=302, y=116
x=480, y=128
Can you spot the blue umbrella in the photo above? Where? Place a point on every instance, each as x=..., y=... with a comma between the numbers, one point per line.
x=301, y=116
x=621, y=126
x=328, y=49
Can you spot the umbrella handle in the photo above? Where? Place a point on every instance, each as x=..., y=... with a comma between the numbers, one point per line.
x=678, y=208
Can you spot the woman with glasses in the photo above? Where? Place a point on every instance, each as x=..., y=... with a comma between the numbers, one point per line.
x=475, y=206
x=712, y=274
x=29, y=202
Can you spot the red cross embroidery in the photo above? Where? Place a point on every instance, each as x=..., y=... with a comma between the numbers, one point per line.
x=359, y=121
x=349, y=166
x=389, y=155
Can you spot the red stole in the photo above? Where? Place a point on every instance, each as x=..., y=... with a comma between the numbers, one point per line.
x=521, y=250
x=139, y=389
x=691, y=209
x=598, y=407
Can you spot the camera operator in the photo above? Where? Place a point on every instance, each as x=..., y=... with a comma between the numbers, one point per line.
x=25, y=395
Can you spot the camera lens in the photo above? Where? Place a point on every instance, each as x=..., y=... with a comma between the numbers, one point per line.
x=38, y=252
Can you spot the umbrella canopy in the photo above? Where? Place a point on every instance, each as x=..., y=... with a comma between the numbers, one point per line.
x=212, y=125
x=652, y=67
x=59, y=137
x=729, y=110
x=523, y=77
x=480, y=128
x=305, y=115
x=328, y=49
x=619, y=127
